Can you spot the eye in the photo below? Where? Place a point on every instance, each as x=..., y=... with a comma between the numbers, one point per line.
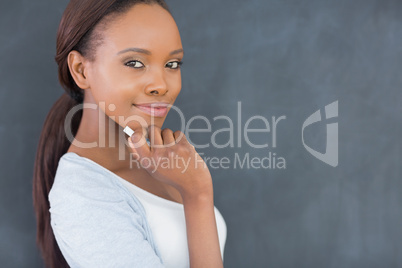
x=135, y=64
x=174, y=64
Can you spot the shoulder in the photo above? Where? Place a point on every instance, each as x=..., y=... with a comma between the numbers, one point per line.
x=80, y=175
x=95, y=221
x=84, y=193
x=80, y=181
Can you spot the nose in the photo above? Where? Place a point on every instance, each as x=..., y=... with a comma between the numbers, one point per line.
x=157, y=85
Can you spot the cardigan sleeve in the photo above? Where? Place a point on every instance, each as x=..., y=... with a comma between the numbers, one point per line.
x=95, y=227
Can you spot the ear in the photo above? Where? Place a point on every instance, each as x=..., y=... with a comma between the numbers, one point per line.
x=77, y=66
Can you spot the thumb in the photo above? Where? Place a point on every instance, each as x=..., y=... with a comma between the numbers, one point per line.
x=138, y=144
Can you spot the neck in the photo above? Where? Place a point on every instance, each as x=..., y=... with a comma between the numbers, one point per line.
x=101, y=139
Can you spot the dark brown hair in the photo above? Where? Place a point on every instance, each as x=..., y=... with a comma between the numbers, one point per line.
x=80, y=29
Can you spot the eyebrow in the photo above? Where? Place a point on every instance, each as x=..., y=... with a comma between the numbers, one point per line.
x=147, y=52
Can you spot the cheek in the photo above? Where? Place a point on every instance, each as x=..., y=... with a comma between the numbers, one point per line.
x=113, y=92
x=174, y=84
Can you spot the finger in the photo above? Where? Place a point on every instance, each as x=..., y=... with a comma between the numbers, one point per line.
x=138, y=143
x=154, y=135
x=180, y=137
x=168, y=138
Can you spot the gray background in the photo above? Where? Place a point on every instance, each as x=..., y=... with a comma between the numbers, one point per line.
x=277, y=58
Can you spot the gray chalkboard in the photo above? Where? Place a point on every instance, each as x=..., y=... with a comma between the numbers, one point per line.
x=269, y=58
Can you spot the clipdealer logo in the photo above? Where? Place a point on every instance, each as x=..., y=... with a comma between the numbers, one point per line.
x=330, y=156
x=269, y=160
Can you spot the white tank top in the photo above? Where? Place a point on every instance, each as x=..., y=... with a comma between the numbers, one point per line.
x=167, y=222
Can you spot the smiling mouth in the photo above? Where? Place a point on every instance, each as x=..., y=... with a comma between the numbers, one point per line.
x=158, y=110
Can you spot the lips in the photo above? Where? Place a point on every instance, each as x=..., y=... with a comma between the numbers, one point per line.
x=158, y=109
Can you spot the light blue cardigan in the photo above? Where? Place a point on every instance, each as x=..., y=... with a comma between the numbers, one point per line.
x=96, y=221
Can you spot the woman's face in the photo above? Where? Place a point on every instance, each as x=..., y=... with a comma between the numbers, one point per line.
x=137, y=63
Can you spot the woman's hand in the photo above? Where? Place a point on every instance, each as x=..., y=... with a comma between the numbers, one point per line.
x=171, y=159
x=186, y=171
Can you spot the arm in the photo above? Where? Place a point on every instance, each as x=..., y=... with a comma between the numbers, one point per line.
x=202, y=233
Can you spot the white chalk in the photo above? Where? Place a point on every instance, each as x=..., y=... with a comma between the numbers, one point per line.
x=130, y=132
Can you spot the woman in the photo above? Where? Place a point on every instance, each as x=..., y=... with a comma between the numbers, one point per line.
x=100, y=199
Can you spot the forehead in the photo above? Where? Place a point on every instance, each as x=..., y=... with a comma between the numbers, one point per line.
x=145, y=26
